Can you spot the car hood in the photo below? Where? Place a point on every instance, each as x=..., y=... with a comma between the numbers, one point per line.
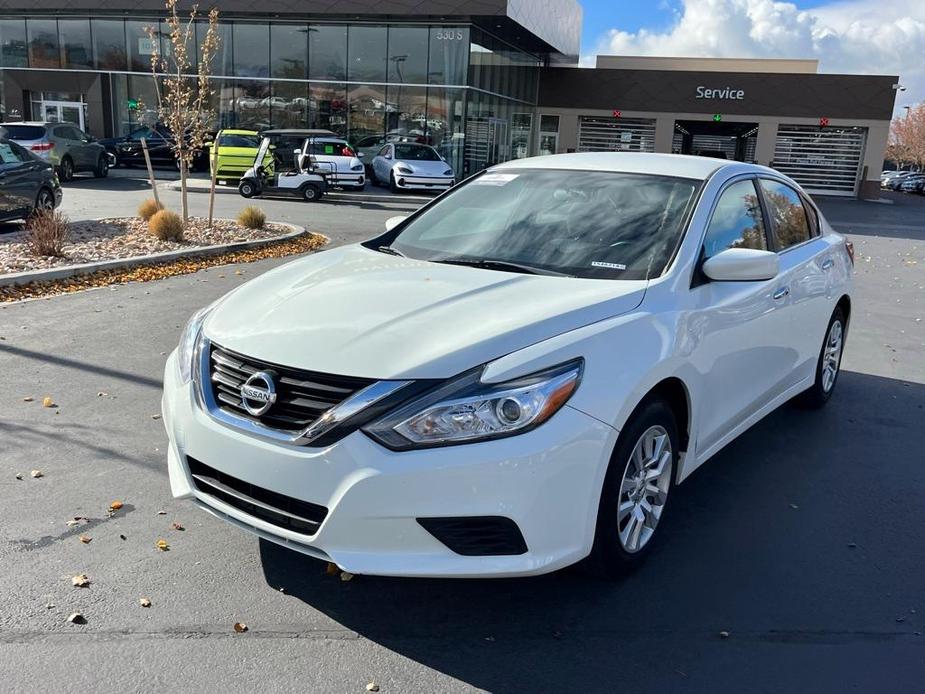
x=425, y=168
x=357, y=312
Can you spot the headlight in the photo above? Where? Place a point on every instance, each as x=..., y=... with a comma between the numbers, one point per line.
x=466, y=410
x=186, y=351
x=356, y=167
x=405, y=170
x=448, y=172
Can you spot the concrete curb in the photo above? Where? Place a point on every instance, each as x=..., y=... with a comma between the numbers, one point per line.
x=27, y=277
x=196, y=186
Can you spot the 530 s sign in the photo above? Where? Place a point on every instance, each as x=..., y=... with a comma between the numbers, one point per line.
x=449, y=35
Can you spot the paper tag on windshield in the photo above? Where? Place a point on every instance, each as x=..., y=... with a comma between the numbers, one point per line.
x=494, y=179
x=609, y=266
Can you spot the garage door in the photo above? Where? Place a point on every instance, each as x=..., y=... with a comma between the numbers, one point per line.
x=823, y=160
x=607, y=134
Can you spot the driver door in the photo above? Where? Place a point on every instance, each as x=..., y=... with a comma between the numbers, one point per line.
x=382, y=164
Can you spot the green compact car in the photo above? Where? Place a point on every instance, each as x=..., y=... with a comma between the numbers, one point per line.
x=236, y=152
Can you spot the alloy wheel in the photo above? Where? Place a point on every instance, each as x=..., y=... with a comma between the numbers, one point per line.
x=45, y=201
x=831, y=357
x=644, y=489
x=67, y=170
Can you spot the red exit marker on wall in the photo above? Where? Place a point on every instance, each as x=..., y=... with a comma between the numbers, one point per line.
x=823, y=122
x=617, y=114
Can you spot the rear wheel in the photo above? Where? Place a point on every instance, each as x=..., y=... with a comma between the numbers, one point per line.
x=102, y=167
x=311, y=192
x=66, y=170
x=373, y=181
x=829, y=365
x=44, y=201
x=247, y=188
x=636, y=490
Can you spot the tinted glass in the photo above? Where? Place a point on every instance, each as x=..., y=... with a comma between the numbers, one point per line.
x=332, y=149
x=408, y=54
x=366, y=54
x=329, y=108
x=221, y=61
x=43, y=43
x=367, y=106
x=415, y=152
x=449, y=55
x=736, y=221
x=24, y=132
x=289, y=105
x=289, y=50
x=239, y=141
x=252, y=105
x=327, y=52
x=109, y=43
x=9, y=155
x=588, y=224
x=785, y=209
x=13, y=51
x=140, y=46
x=76, y=47
x=251, y=50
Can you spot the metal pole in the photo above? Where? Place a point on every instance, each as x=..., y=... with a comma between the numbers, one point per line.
x=214, y=167
x=144, y=148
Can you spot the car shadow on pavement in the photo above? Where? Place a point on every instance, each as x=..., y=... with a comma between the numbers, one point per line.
x=765, y=548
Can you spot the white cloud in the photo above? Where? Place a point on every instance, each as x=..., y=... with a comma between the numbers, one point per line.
x=846, y=36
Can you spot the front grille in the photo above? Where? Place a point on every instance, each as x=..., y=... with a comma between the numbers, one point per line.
x=477, y=536
x=301, y=396
x=277, y=509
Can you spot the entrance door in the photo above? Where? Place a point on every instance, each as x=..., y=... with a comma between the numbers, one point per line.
x=716, y=138
x=63, y=112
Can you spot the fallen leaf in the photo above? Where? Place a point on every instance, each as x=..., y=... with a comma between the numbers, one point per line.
x=37, y=473
x=102, y=394
x=240, y=627
x=121, y=537
x=49, y=605
x=155, y=416
x=80, y=581
x=162, y=513
x=372, y=687
x=19, y=475
x=177, y=526
x=724, y=634
x=48, y=402
x=72, y=523
x=86, y=539
x=28, y=399
x=162, y=545
x=115, y=505
x=144, y=602
x=331, y=568
x=77, y=618
x=346, y=576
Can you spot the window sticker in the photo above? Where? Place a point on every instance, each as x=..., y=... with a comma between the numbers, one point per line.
x=494, y=179
x=610, y=266
x=329, y=149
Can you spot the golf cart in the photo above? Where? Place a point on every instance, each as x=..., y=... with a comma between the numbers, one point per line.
x=305, y=178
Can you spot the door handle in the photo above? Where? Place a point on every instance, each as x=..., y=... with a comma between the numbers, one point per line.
x=827, y=263
x=780, y=293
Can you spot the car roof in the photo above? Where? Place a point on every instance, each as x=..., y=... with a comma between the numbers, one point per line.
x=232, y=131
x=301, y=132
x=679, y=165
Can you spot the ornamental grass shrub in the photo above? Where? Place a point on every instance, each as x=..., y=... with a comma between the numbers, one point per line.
x=166, y=225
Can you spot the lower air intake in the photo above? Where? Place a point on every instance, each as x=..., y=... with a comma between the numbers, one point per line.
x=477, y=536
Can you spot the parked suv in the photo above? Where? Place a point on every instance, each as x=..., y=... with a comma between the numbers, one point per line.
x=913, y=184
x=27, y=182
x=63, y=145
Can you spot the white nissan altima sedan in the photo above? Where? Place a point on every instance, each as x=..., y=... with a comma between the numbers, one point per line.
x=515, y=377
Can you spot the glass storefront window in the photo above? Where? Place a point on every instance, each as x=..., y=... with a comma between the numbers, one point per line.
x=167, y=45
x=13, y=52
x=521, y=135
x=251, y=50
x=408, y=113
x=289, y=104
x=327, y=52
x=408, y=54
x=43, y=43
x=367, y=107
x=76, y=46
x=109, y=43
x=366, y=53
x=221, y=61
x=140, y=46
x=251, y=104
x=289, y=51
x=446, y=125
x=328, y=107
x=449, y=55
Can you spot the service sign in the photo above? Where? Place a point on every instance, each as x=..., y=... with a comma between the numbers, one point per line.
x=725, y=93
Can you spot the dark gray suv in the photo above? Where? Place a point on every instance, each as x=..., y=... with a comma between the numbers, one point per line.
x=63, y=145
x=27, y=183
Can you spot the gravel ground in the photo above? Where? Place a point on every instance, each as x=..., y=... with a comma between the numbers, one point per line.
x=124, y=237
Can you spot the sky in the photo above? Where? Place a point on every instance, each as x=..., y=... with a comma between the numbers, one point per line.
x=846, y=36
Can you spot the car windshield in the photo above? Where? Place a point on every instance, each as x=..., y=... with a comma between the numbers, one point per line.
x=415, y=153
x=588, y=224
x=239, y=141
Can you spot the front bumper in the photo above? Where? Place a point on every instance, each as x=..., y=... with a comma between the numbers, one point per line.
x=547, y=481
x=422, y=182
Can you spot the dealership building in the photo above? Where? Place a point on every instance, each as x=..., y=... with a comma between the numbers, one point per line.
x=484, y=81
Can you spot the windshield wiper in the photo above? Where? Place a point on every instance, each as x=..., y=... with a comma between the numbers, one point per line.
x=504, y=265
x=391, y=251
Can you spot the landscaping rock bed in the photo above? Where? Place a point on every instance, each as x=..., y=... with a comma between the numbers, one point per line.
x=111, y=239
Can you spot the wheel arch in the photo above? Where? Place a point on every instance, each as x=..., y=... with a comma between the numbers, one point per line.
x=844, y=303
x=674, y=393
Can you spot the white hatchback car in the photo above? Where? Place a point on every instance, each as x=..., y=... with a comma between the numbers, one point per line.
x=411, y=166
x=513, y=378
x=346, y=170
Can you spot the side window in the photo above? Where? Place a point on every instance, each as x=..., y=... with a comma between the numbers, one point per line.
x=813, y=215
x=9, y=155
x=384, y=152
x=737, y=221
x=63, y=132
x=789, y=223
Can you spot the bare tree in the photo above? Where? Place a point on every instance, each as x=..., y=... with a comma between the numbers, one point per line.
x=907, y=138
x=183, y=96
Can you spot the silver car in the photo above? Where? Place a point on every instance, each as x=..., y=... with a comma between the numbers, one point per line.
x=411, y=166
x=63, y=145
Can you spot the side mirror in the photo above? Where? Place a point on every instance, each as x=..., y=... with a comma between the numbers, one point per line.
x=360, y=155
x=387, y=156
x=742, y=265
x=393, y=222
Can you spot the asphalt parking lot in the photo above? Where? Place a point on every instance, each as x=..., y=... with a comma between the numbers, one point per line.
x=802, y=540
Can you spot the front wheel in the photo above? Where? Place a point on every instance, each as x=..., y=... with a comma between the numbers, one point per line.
x=393, y=186
x=636, y=490
x=311, y=193
x=829, y=364
x=247, y=189
x=102, y=167
x=44, y=202
x=66, y=170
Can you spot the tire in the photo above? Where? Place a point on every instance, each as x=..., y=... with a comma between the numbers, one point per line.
x=247, y=188
x=392, y=185
x=623, y=538
x=66, y=169
x=373, y=181
x=829, y=364
x=311, y=193
x=102, y=167
x=44, y=201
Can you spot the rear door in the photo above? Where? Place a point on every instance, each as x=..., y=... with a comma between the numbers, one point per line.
x=17, y=180
x=805, y=262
